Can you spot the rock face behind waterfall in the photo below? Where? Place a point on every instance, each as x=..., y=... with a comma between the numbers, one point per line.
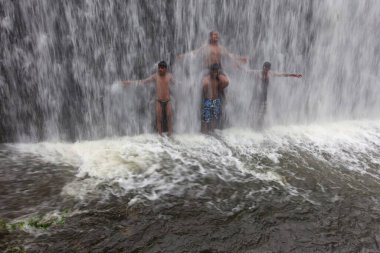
x=58, y=61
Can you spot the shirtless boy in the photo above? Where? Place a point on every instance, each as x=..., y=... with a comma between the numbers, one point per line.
x=162, y=78
x=264, y=75
x=212, y=85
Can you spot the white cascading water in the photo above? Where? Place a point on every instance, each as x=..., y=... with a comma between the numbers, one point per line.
x=61, y=63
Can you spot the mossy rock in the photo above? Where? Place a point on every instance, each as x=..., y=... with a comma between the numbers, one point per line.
x=36, y=222
x=45, y=223
x=16, y=226
x=3, y=227
x=40, y=223
x=17, y=250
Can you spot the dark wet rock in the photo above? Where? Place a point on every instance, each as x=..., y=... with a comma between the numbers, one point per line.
x=194, y=227
x=35, y=178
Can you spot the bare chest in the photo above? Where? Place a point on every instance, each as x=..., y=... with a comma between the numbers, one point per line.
x=162, y=83
x=215, y=51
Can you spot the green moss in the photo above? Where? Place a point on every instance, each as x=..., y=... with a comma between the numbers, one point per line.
x=44, y=223
x=3, y=226
x=61, y=221
x=17, y=250
x=16, y=226
x=37, y=222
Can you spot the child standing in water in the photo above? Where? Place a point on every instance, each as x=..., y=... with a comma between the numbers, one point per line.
x=264, y=75
x=212, y=86
x=163, y=79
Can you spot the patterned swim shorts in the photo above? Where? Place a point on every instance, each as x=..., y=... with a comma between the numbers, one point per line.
x=211, y=109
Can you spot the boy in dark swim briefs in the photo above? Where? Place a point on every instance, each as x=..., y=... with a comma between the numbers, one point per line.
x=212, y=86
x=162, y=78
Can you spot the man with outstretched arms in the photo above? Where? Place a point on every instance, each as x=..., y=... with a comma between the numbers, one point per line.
x=212, y=53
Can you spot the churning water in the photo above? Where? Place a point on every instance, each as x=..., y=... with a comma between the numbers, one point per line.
x=59, y=61
x=81, y=169
x=298, y=188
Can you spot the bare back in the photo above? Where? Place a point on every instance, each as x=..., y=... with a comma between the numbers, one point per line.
x=210, y=87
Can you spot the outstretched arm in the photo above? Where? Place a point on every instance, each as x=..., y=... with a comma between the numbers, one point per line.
x=285, y=74
x=138, y=82
x=195, y=51
x=238, y=59
x=255, y=71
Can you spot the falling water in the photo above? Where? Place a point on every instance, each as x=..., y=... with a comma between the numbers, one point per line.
x=61, y=63
x=79, y=152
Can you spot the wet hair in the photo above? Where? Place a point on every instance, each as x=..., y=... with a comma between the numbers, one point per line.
x=214, y=66
x=210, y=34
x=267, y=65
x=163, y=64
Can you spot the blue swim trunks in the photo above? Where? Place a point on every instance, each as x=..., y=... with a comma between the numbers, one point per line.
x=211, y=109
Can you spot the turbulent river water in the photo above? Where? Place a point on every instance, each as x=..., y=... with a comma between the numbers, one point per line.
x=81, y=169
x=299, y=188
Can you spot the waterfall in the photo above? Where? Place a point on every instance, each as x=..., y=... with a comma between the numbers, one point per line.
x=60, y=63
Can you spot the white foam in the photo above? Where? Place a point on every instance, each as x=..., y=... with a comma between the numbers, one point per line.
x=153, y=166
